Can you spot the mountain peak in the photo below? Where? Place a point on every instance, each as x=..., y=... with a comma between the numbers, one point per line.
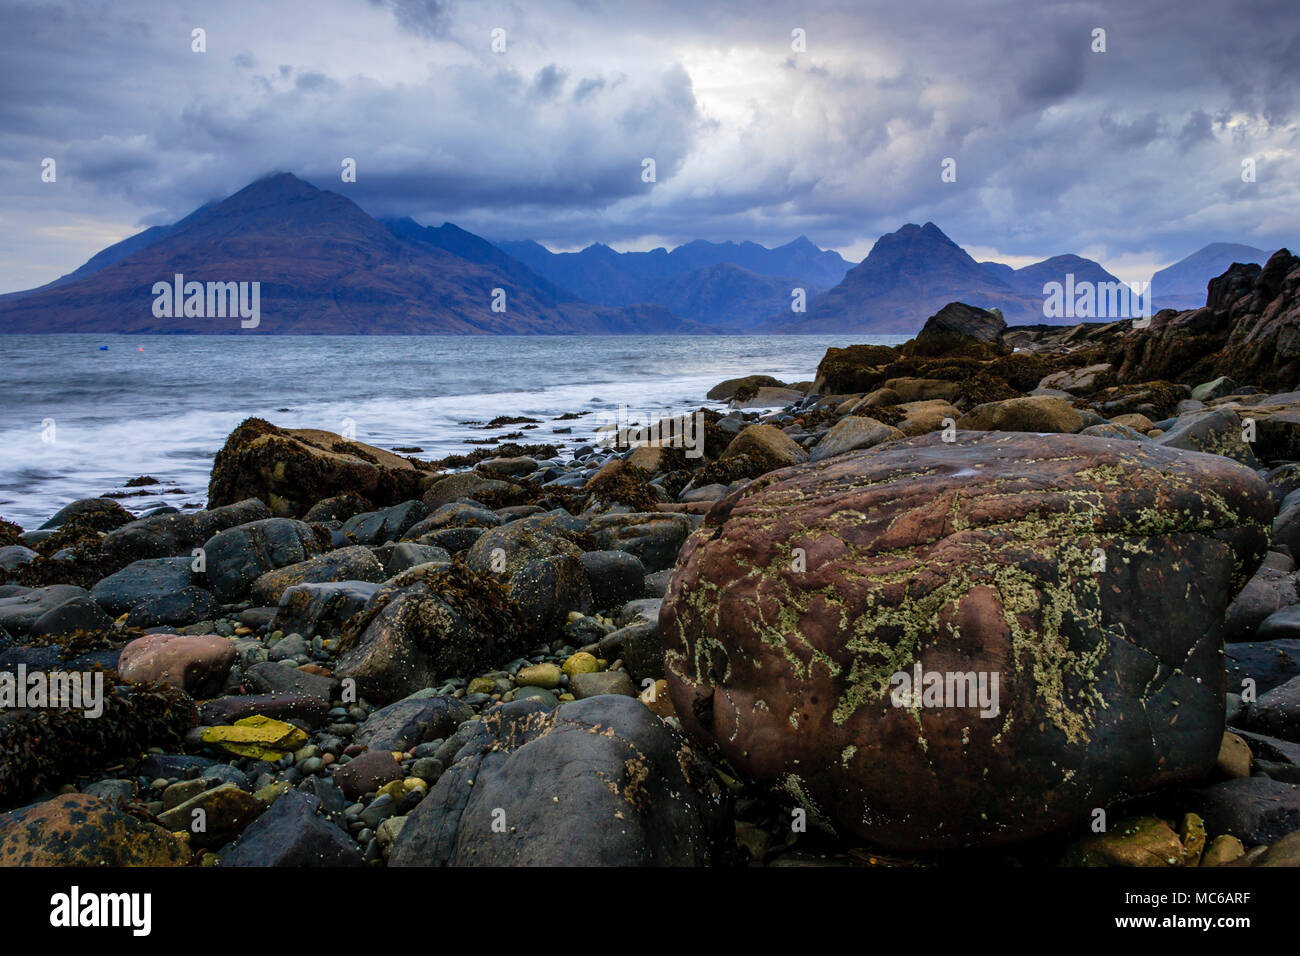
x=277, y=187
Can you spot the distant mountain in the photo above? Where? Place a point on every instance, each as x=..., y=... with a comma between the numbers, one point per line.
x=1031, y=279
x=324, y=267
x=911, y=274
x=1183, y=285
x=725, y=295
x=908, y=276
x=799, y=258
x=688, y=279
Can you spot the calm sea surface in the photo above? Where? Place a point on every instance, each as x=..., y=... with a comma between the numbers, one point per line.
x=80, y=421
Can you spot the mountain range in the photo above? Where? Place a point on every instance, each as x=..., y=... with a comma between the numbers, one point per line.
x=726, y=283
x=325, y=266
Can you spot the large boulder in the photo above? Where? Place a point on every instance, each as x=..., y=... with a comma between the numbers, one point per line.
x=98, y=509
x=76, y=829
x=441, y=621
x=642, y=798
x=960, y=327
x=176, y=534
x=386, y=524
x=853, y=433
x=502, y=552
x=291, y=833
x=1087, y=577
x=928, y=416
x=197, y=664
x=290, y=469
x=311, y=609
x=74, y=614
x=189, y=605
x=654, y=538
x=142, y=581
x=238, y=556
x=355, y=563
x=21, y=608
x=1218, y=432
x=616, y=577
x=492, y=492
x=546, y=590
x=415, y=720
x=725, y=390
x=1033, y=413
x=766, y=444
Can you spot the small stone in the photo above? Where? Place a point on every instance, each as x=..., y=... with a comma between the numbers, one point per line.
x=388, y=831
x=400, y=789
x=185, y=790
x=606, y=682
x=1145, y=841
x=428, y=769
x=581, y=663
x=227, y=810
x=1191, y=832
x=1223, y=849
x=1234, y=756
x=656, y=698
x=273, y=791
x=546, y=675
x=259, y=737
x=367, y=773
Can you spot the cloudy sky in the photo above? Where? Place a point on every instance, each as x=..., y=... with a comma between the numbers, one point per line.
x=1132, y=156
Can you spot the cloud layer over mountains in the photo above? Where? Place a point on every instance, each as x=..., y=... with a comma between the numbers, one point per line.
x=1131, y=157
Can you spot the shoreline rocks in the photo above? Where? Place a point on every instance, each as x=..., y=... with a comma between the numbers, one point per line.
x=362, y=635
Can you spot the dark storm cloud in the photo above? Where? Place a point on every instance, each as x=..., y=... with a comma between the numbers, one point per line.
x=1132, y=155
x=431, y=18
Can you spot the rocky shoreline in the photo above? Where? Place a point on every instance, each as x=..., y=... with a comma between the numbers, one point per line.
x=649, y=656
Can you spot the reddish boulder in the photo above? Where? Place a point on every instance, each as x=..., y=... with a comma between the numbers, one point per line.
x=197, y=664
x=1087, y=576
